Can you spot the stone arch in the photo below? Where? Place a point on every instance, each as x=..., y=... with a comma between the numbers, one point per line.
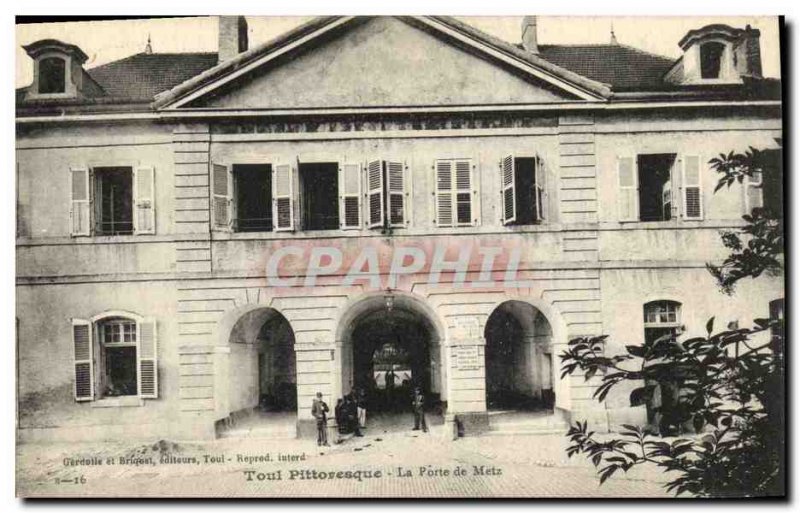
x=559, y=337
x=240, y=366
x=360, y=308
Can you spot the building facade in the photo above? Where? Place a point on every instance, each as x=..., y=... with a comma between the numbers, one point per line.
x=199, y=235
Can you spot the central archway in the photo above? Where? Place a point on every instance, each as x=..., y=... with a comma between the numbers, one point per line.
x=389, y=343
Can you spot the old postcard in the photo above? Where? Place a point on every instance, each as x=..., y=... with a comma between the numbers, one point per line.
x=400, y=256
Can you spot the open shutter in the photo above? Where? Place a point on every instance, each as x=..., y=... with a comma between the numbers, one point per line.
x=80, y=213
x=539, y=189
x=147, y=359
x=508, y=189
x=83, y=359
x=283, y=185
x=465, y=207
x=692, y=189
x=628, y=189
x=350, y=196
x=144, y=201
x=753, y=192
x=221, y=201
x=444, y=192
x=375, y=205
x=396, y=178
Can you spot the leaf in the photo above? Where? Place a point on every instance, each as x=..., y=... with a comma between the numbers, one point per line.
x=710, y=326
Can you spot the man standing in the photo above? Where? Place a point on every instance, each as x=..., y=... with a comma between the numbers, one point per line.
x=319, y=410
x=419, y=410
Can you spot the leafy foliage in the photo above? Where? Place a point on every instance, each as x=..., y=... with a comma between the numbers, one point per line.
x=758, y=247
x=723, y=383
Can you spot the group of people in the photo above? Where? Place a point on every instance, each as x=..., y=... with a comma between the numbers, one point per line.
x=351, y=414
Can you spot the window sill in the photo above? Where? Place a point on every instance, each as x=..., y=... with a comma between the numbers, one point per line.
x=118, y=402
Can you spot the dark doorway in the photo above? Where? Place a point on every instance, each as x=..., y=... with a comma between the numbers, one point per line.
x=114, y=207
x=253, y=186
x=518, y=359
x=655, y=187
x=392, y=356
x=319, y=183
x=277, y=377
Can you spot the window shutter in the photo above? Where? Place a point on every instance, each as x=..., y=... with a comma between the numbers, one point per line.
x=144, y=200
x=350, y=196
x=508, y=189
x=628, y=189
x=692, y=188
x=396, y=177
x=375, y=206
x=539, y=188
x=283, y=185
x=83, y=359
x=463, y=185
x=80, y=208
x=444, y=192
x=754, y=192
x=147, y=359
x=221, y=197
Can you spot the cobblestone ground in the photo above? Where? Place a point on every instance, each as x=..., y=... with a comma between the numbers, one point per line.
x=412, y=464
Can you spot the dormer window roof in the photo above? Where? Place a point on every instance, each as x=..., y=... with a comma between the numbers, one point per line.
x=717, y=54
x=57, y=69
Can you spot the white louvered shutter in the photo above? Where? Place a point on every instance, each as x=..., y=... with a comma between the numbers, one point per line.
x=283, y=203
x=540, y=189
x=147, y=359
x=444, y=192
x=83, y=359
x=80, y=213
x=221, y=197
x=397, y=194
x=375, y=202
x=465, y=207
x=144, y=201
x=692, y=188
x=754, y=192
x=508, y=190
x=350, y=196
x=628, y=189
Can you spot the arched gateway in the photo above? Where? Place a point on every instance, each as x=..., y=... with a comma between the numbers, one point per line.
x=387, y=344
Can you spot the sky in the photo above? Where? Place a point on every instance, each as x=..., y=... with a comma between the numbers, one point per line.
x=106, y=41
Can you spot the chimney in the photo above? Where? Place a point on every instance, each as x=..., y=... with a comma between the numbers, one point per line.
x=753, y=51
x=232, y=37
x=529, y=34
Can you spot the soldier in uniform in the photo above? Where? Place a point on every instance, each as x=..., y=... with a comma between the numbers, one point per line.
x=319, y=411
x=418, y=404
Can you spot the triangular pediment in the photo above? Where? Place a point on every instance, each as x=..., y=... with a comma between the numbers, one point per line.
x=380, y=62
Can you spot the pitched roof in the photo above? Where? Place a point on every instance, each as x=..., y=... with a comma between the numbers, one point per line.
x=142, y=76
x=622, y=67
x=134, y=82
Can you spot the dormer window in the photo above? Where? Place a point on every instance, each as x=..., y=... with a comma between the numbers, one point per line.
x=52, y=75
x=58, y=71
x=711, y=59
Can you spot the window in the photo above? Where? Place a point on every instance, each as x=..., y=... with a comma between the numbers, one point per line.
x=662, y=319
x=115, y=356
x=777, y=314
x=754, y=192
x=52, y=75
x=386, y=194
x=112, y=201
x=319, y=202
x=117, y=346
x=647, y=185
x=711, y=59
x=253, y=193
x=456, y=194
x=522, y=190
